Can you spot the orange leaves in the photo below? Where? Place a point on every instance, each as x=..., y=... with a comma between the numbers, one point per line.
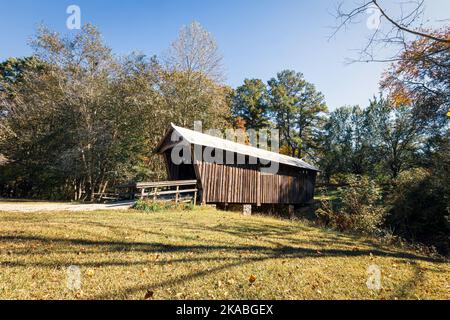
x=400, y=97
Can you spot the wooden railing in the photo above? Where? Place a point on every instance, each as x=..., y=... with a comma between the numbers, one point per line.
x=178, y=191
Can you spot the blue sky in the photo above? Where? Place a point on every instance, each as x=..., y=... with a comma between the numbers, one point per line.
x=257, y=38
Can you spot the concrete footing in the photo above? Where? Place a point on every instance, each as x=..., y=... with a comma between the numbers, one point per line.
x=247, y=210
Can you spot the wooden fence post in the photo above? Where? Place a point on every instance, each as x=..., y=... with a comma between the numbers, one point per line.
x=177, y=195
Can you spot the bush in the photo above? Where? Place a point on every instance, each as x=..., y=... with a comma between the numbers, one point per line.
x=419, y=209
x=357, y=208
x=340, y=178
x=157, y=206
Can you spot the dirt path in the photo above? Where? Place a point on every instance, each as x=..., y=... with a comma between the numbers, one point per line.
x=13, y=206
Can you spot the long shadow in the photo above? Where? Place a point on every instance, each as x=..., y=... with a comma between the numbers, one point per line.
x=155, y=247
x=181, y=279
x=405, y=290
x=56, y=264
x=280, y=251
x=282, y=233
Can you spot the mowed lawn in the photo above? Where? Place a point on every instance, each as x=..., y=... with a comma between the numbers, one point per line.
x=201, y=254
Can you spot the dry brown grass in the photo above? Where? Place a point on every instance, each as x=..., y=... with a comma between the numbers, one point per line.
x=201, y=254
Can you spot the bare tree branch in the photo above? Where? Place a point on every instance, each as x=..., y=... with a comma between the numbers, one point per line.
x=403, y=28
x=395, y=34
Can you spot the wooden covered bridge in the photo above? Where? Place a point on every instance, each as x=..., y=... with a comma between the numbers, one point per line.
x=242, y=182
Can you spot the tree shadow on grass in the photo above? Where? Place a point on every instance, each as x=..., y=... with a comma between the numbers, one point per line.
x=406, y=289
x=156, y=247
x=271, y=248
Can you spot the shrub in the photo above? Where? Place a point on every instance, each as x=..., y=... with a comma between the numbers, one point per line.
x=148, y=206
x=419, y=208
x=156, y=206
x=357, y=207
x=340, y=178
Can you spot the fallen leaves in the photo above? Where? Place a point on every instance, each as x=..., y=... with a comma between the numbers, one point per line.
x=90, y=272
x=79, y=294
x=144, y=271
x=149, y=295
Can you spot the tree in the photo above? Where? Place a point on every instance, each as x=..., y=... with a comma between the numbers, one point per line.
x=380, y=140
x=190, y=83
x=395, y=136
x=422, y=75
x=251, y=104
x=346, y=144
x=76, y=124
x=25, y=128
x=75, y=119
x=297, y=109
x=195, y=52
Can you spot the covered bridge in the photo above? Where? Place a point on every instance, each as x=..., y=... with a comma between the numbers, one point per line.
x=240, y=182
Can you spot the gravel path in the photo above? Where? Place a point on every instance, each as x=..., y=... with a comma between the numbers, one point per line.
x=50, y=206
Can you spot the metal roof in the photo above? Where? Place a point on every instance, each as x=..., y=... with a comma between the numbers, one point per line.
x=198, y=138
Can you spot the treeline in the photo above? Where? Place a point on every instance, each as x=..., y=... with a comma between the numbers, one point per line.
x=385, y=167
x=76, y=119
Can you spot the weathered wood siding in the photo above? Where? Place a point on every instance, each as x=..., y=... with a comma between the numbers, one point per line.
x=246, y=184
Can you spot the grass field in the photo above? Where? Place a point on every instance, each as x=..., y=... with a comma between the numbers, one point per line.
x=201, y=254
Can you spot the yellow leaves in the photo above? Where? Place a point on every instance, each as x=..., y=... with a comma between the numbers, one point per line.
x=90, y=272
x=400, y=98
x=286, y=150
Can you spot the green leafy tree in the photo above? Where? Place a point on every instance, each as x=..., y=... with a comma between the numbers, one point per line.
x=396, y=135
x=298, y=110
x=346, y=146
x=251, y=103
x=76, y=119
x=73, y=127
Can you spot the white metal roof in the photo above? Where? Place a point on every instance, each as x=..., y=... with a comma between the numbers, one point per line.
x=198, y=138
